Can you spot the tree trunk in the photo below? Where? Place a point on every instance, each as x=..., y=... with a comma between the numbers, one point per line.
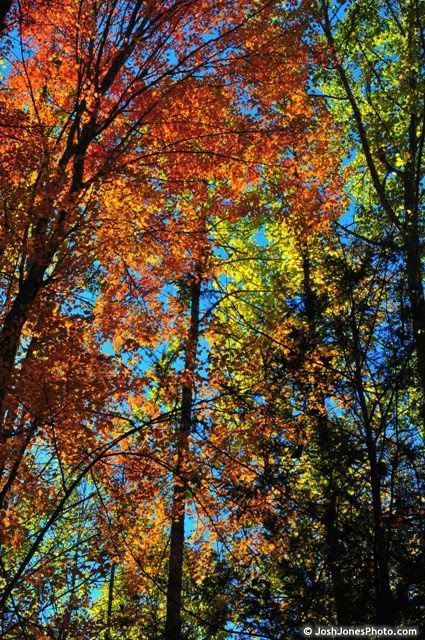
x=384, y=599
x=411, y=180
x=417, y=308
x=10, y=333
x=334, y=559
x=5, y=7
x=110, y=603
x=173, y=624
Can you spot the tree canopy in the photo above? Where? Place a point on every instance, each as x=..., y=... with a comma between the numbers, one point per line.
x=212, y=338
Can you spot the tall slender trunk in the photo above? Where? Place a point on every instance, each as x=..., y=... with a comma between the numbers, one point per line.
x=110, y=602
x=412, y=178
x=417, y=303
x=173, y=623
x=412, y=251
x=334, y=557
x=384, y=599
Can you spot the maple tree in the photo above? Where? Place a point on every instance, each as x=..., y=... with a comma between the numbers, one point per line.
x=211, y=359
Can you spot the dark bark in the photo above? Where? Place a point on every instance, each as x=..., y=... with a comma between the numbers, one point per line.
x=417, y=302
x=10, y=333
x=17, y=463
x=173, y=623
x=412, y=176
x=334, y=559
x=5, y=7
x=110, y=603
x=384, y=598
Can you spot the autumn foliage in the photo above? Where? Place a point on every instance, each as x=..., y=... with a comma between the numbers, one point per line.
x=212, y=340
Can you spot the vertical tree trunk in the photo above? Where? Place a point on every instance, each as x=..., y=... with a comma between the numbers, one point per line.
x=333, y=557
x=110, y=603
x=417, y=304
x=173, y=623
x=412, y=179
x=412, y=251
x=384, y=599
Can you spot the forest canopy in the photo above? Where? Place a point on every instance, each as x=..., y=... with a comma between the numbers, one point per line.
x=212, y=336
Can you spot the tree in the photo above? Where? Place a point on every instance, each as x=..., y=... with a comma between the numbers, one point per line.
x=377, y=73
x=210, y=356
